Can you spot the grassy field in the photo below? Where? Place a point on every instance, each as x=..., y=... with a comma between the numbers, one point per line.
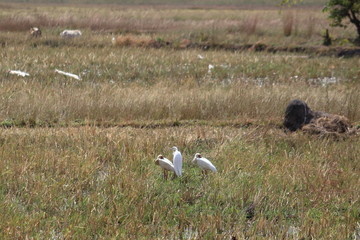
x=212, y=25
x=173, y=2
x=77, y=156
x=89, y=182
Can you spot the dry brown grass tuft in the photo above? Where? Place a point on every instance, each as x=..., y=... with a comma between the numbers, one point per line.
x=249, y=26
x=288, y=22
x=131, y=40
x=185, y=43
x=330, y=125
x=310, y=26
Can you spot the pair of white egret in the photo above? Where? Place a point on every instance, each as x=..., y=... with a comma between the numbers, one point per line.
x=176, y=165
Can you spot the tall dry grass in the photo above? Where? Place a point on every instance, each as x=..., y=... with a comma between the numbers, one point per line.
x=107, y=103
x=288, y=23
x=249, y=25
x=130, y=40
x=130, y=84
x=310, y=26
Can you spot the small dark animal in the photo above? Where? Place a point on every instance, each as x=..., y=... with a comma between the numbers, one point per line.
x=298, y=113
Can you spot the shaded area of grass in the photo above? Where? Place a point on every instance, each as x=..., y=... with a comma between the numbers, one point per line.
x=243, y=123
x=104, y=183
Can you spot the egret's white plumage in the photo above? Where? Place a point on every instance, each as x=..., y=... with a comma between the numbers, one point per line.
x=204, y=163
x=68, y=74
x=165, y=164
x=70, y=33
x=19, y=73
x=177, y=160
x=210, y=68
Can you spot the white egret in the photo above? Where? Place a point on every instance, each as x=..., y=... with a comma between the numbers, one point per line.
x=19, y=73
x=210, y=68
x=165, y=164
x=113, y=39
x=177, y=160
x=68, y=74
x=204, y=163
x=70, y=33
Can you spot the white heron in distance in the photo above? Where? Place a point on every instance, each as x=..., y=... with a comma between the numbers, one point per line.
x=165, y=164
x=177, y=160
x=68, y=74
x=70, y=33
x=19, y=73
x=204, y=163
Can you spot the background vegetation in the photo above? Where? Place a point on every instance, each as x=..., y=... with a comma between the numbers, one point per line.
x=171, y=2
x=77, y=156
x=270, y=26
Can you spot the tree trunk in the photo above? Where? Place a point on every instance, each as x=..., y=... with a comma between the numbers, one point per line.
x=354, y=20
x=358, y=31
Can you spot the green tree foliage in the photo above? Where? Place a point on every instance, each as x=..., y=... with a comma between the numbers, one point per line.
x=340, y=10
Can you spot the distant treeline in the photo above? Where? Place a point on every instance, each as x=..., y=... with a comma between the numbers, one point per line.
x=172, y=2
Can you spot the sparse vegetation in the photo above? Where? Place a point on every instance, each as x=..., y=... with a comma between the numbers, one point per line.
x=77, y=157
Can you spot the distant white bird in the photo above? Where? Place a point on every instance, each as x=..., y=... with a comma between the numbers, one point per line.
x=177, y=160
x=204, y=163
x=19, y=73
x=113, y=40
x=68, y=74
x=211, y=67
x=165, y=164
x=200, y=56
x=70, y=33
